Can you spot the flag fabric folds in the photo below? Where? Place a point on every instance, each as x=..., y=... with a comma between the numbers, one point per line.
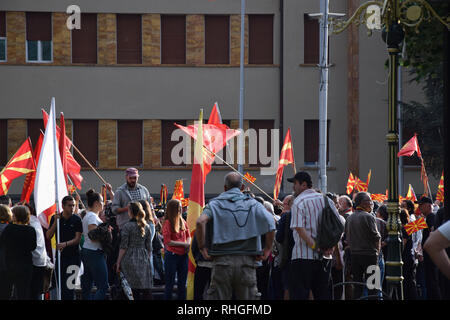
x=350, y=183
x=49, y=173
x=196, y=201
x=440, y=191
x=249, y=177
x=21, y=163
x=73, y=167
x=415, y=226
x=411, y=195
x=410, y=147
x=28, y=184
x=286, y=157
x=178, y=192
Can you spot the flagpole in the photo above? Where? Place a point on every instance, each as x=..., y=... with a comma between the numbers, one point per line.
x=55, y=151
x=234, y=169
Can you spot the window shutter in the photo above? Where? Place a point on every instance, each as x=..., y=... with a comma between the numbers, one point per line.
x=84, y=40
x=260, y=39
x=39, y=26
x=129, y=141
x=129, y=38
x=217, y=39
x=173, y=39
x=85, y=138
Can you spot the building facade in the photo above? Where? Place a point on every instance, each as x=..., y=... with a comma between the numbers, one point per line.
x=136, y=67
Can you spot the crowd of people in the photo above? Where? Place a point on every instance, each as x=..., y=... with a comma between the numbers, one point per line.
x=244, y=247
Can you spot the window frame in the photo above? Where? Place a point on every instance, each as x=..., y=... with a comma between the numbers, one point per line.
x=6, y=49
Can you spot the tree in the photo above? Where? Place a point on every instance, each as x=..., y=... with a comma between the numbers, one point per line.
x=424, y=58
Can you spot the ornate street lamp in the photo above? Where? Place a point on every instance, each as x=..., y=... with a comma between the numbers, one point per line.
x=392, y=16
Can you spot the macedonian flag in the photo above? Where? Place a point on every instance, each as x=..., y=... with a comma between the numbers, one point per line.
x=350, y=183
x=440, y=191
x=415, y=226
x=21, y=163
x=196, y=200
x=286, y=157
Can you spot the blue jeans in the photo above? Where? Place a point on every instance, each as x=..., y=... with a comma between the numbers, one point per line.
x=95, y=271
x=175, y=264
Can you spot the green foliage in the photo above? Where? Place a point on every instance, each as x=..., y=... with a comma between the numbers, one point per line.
x=424, y=59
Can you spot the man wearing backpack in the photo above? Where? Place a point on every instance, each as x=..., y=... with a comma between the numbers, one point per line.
x=310, y=264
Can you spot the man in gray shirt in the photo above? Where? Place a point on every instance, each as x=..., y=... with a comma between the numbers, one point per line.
x=234, y=223
x=126, y=193
x=364, y=240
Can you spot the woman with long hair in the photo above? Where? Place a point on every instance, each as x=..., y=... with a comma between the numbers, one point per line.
x=135, y=251
x=176, y=247
x=92, y=254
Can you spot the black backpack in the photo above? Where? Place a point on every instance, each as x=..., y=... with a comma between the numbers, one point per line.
x=330, y=228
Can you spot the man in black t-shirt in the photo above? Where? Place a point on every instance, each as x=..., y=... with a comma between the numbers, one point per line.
x=70, y=232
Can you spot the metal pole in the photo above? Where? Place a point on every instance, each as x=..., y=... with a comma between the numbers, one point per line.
x=393, y=35
x=55, y=150
x=323, y=95
x=400, y=128
x=241, y=92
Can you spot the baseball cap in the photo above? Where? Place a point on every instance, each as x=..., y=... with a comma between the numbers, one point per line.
x=424, y=200
x=132, y=172
x=301, y=177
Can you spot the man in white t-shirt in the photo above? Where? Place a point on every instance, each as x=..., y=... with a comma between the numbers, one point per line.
x=435, y=246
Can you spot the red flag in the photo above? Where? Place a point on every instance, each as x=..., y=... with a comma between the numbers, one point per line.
x=21, y=163
x=411, y=195
x=440, y=191
x=415, y=226
x=178, y=192
x=28, y=185
x=196, y=201
x=73, y=167
x=215, y=117
x=63, y=145
x=286, y=157
x=350, y=183
x=410, y=147
x=249, y=177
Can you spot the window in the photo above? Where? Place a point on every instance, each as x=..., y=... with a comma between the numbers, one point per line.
x=2, y=36
x=39, y=36
x=34, y=127
x=260, y=31
x=129, y=143
x=217, y=39
x=414, y=160
x=85, y=138
x=84, y=40
x=311, y=40
x=173, y=39
x=255, y=152
x=3, y=142
x=167, y=127
x=129, y=38
x=311, y=145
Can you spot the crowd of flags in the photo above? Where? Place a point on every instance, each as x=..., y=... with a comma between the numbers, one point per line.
x=52, y=172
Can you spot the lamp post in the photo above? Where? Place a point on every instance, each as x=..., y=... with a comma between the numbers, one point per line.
x=392, y=16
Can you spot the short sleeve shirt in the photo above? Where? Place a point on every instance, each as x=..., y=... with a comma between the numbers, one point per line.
x=170, y=235
x=445, y=230
x=69, y=228
x=90, y=218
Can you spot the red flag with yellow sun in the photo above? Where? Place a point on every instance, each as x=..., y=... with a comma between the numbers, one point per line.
x=21, y=163
x=415, y=226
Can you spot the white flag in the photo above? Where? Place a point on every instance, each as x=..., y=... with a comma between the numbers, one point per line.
x=47, y=178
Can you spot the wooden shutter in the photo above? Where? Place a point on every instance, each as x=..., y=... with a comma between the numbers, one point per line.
x=217, y=39
x=39, y=26
x=258, y=125
x=2, y=24
x=84, y=40
x=311, y=40
x=173, y=39
x=85, y=138
x=260, y=38
x=311, y=145
x=167, y=127
x=3, y=142
x=129, y=38
x=129, y=143
x=34, y=127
